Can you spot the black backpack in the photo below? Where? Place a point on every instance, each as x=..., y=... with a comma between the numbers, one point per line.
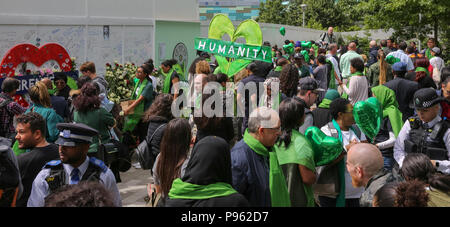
x=9, y=175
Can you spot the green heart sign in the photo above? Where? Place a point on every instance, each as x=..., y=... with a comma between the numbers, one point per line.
x=248, y=29
x=368, y=116
x=326, y=148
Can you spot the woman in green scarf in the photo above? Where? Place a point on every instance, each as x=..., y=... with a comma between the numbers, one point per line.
x=391, y=125
x=207, y=180
x=295, y=155
x=143, y=98
x=169, y=77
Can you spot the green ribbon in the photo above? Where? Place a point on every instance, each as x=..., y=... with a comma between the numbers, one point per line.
x=422, y=69
x=277, y=183
x=185, y=190
x=389, y=104
x=133, y=119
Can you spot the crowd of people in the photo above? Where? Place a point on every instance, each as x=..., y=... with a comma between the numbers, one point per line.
x=69, y=147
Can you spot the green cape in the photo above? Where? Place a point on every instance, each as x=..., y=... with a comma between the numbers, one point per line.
x=167, y=80
x=278, y=188
x=185, y=190
x=297, y=152
x=389, y=104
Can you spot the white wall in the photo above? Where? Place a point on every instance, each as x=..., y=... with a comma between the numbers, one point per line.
x=78, y=26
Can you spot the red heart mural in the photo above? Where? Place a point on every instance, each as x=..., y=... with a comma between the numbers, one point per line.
x=38, y=56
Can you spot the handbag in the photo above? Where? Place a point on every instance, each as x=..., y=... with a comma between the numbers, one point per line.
x=144, y=154
x=152, y=198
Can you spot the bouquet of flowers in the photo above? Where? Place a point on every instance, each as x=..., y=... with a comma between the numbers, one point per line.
x=120, y=80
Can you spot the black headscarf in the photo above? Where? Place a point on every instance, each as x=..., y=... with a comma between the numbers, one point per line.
x=210, y=162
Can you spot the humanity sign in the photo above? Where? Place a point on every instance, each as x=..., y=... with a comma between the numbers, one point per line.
x=234, y=50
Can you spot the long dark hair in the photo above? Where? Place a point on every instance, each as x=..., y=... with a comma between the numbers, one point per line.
x=147, y=67
x=289, y=80
x=161, y=107
x=291, y=113
x=88, y=99
x=418, y=166
x=174, y=150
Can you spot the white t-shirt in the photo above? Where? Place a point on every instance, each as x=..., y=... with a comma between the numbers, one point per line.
x=347, y=136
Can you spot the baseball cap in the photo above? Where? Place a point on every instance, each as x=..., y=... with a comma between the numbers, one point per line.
x=436, y=50
x=399, y=66
x=425, y=98
x=308, y=83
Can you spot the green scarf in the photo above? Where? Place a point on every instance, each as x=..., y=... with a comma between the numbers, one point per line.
x=278, y=69
x=332, y=83
x=422, y=69
x=185, y=190
x=133, y=119
x=325, y=103
x=277, y=183
x=340, y=199
x=391, y=59
x=167, y=80
x=389, y=104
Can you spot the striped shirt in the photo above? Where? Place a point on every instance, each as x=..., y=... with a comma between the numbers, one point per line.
x=400, y=54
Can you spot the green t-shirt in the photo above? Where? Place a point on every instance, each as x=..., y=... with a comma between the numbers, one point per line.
x=299, y=152
x=98, y=119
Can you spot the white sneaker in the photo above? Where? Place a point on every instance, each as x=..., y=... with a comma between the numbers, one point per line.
x=137, y=165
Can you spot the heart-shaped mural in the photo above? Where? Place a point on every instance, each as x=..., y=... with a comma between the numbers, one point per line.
x=38, y=56
x=326, y=148
x=248, y=29
x=368, y=116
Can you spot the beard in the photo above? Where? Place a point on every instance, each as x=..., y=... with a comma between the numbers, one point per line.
x=357, y=183
x=75, y=158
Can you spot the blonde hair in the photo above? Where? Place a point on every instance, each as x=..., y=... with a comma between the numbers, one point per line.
x=240, y=75
x=202, y=67
x=39, y=94
x=383, y=67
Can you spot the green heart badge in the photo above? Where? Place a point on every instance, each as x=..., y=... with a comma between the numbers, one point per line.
x=326, y=148
x=368, y=116
x=231, y=56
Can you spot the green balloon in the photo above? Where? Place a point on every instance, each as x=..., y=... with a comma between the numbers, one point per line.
x=326, y=149
x=368, y=116
x=282, y=31
x=305, y=44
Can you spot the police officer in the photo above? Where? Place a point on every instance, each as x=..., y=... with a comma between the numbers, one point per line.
x=74, y=165
x=426, y=133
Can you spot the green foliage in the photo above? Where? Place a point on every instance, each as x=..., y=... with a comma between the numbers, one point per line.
x=272, y=12
x=363, y=42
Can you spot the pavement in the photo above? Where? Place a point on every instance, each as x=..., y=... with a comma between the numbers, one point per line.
x=133, y=187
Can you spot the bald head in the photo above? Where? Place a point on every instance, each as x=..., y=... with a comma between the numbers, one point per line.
x=367, y=157
x=373, y=43
x=47, y=83
x=352, y=46
x=263, y=117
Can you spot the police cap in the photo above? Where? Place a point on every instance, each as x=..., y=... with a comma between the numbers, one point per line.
x=73, y=133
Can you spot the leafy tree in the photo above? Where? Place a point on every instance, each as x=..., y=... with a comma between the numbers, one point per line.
x=272, y=12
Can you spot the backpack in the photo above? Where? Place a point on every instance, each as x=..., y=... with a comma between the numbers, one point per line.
x=144, y=152
x=9, y=176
